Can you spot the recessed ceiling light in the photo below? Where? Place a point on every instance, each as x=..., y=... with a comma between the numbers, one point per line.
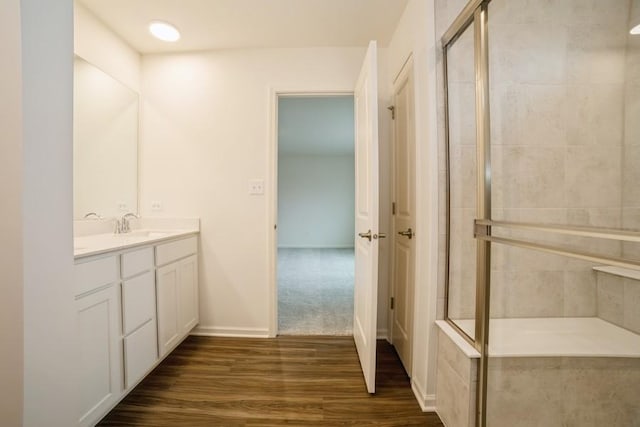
x=634, y=17
x=164, y=31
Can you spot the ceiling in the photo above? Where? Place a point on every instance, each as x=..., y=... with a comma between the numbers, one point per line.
x=224, y=24
x=316, y=125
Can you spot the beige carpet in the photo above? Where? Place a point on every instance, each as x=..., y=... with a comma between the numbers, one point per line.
x=315, y=291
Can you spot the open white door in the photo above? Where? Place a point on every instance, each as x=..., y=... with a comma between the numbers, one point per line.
x=365, y=306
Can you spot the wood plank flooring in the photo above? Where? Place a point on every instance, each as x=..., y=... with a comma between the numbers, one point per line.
x=295, y=381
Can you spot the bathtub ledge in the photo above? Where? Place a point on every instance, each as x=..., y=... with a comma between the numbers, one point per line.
x=464, y=346
x=618, y=271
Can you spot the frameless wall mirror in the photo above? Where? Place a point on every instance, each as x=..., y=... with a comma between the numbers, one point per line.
x=105, y=143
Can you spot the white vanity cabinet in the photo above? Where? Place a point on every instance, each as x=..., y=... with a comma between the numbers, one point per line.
x=98, y=315
x=177, y=292
x=134, y=305
x=138, y=314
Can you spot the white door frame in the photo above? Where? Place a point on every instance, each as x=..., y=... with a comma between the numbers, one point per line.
x=272, y=187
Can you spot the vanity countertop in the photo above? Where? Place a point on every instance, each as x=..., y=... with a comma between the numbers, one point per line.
x=95, y=244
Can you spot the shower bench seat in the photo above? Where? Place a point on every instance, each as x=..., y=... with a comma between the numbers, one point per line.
x=544, y=371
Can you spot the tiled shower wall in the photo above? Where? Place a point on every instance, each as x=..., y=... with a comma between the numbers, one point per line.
x=565, y=79
x=631, y=148
x=557, y=111
x=618, y=298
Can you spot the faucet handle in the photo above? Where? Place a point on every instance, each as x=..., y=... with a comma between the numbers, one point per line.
x=92, y=214
x=118, y=227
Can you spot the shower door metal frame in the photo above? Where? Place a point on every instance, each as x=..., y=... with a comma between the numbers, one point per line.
x=475, y=13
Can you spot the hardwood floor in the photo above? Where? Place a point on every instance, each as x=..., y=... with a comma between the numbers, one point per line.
x=298, y=381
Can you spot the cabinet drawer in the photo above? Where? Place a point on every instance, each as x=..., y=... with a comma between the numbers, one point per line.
x=137, y=262
x=175, y=250
x=140, y=353
x=94, y=274
x=138, y=301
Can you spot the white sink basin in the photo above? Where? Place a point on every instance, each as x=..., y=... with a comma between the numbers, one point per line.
x=92, y=244
x=145, y=233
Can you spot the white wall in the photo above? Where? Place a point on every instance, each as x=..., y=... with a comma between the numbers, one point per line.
x=100, y=46
x=49, y=318
x=316, y=201
x=415, y=36
x=206, y=131
x=11, y=303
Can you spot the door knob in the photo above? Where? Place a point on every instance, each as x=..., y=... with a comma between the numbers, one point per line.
x=366, y=235
x=408, y=233
x=380, y=236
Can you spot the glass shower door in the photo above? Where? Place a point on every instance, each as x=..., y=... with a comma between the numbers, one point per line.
x=564, y=341
x=556, y=211
x=462, y=170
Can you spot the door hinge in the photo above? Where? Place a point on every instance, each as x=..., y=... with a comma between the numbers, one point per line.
x=391, y=304
x=393, y=111
x=481, y=230
x=393, y=208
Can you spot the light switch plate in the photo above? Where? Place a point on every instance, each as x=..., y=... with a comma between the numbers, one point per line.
x=256, y=186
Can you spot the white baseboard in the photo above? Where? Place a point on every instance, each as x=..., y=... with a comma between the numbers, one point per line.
x=426, y=401
x=383, y=334
x=217, y=331
x=441, y=419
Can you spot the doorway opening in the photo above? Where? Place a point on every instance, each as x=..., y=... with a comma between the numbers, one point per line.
x=315, y=214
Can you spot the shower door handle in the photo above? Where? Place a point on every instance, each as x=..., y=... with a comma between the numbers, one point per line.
x=366, y=235
x=408, y=233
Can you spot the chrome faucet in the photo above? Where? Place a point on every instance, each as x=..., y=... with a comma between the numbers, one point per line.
x=122, y=225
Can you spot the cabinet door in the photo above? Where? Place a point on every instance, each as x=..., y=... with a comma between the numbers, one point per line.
x=188, y=294
x=138, y=301
x=100, y=353
x=167, y=295
x=140, y=353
